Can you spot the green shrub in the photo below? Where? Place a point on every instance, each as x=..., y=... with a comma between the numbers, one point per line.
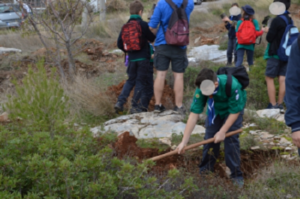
x=74, y=164
x=39, y=101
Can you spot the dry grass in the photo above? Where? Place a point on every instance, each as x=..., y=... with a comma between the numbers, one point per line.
x=86, y=96
x=16, y=39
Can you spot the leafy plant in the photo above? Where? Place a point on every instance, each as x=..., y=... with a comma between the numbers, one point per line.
x=39, y=102
x=76, y=165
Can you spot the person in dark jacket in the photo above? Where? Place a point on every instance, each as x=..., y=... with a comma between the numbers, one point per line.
x=275, y=67
x=292, y=97
x=140, y=71
x=230, y=23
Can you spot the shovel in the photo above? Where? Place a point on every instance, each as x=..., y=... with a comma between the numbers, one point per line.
x=192, y=146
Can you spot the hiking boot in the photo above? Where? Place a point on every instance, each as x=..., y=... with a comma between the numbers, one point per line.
x=280, y=106
x=159, y=108
x=180, y=110
x=238, y=182
x=119, y=108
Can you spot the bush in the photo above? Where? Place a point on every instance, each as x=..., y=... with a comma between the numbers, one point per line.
x=77, y=165
x=40, y=101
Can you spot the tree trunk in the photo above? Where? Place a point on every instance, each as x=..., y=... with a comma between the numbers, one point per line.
x=72, y=67
x=102, y=10
x=84, y=21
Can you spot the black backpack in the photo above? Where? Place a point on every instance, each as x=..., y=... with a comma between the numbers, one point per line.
x=240, y=73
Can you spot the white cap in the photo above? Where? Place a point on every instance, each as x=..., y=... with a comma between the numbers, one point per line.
x=207, y=87
x=277, y=8
x=235, y=11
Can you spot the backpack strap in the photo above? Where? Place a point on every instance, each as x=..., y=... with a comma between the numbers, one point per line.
x=172, y=4
x=184, y=4
x=286, y=19
x=228, y=85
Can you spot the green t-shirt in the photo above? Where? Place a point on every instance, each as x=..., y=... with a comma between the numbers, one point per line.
x=223, y=105
x=267, y=56
x=251, y=46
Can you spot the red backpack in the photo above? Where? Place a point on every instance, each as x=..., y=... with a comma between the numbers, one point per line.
x=246, y=33
x=132, y=36
x=178, y=27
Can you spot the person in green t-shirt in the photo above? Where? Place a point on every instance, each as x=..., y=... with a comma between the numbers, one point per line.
x=248, y=14
x=225, y=114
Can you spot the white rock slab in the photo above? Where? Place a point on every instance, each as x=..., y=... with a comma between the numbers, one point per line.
x=208, y=53
x=147, y=125
x=268, y=113
x=9, y=50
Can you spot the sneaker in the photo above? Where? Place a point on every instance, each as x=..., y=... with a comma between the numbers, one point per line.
x=159, y=108
x=280, y=106
x=238, y=182
x=181, y=110
x=270, y=106
x=135, y=111
x=119, y=108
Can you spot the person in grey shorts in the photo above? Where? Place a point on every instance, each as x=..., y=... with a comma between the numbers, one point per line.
x=166, y=54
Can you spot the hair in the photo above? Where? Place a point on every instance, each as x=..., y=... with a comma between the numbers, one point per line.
x=246, y=14
x=206, y=74
x=136, y=7
x=235, y=4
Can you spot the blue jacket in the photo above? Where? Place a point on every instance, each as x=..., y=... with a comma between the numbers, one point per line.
x=292, y=96
x=230, y=28
x=161, y=16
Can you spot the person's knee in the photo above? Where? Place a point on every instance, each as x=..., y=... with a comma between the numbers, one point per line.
x=161, y=75
x=281, y=79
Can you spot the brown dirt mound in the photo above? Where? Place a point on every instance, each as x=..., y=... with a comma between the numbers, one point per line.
x=251, y=161
x=219, y=28
x=168, y=98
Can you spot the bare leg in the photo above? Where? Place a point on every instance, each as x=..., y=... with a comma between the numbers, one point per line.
x=178, y=88
x=271, y=90
x=159, y=85
x=281, y=89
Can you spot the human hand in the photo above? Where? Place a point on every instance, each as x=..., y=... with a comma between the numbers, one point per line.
x=219, y=137
x=225, y=19
x=296, y=138
x=180, y=148
x=265, y=29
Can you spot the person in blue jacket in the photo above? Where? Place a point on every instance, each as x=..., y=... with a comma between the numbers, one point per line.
x=230, y=23
x=292, y=96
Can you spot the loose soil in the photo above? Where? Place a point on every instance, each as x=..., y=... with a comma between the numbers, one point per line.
x=168, y=98
x=251, y=161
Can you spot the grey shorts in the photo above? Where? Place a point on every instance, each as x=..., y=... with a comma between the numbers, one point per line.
x=275, y=68
x=166, y=54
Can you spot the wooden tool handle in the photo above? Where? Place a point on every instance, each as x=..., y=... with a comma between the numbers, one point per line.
x=194, y=145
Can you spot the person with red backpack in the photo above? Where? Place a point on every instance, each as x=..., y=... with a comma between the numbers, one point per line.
x=172, y=37
x=247, y=31
x=134, y=40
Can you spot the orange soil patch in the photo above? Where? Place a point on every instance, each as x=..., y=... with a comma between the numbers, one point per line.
x=251, y=161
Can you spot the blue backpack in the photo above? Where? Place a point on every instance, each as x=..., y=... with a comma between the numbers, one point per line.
x=290, y=35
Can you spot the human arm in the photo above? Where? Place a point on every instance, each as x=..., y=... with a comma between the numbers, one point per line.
x=120, y=42
x=191, y=123
x=197, y=106
x=147, y=32
x=273, y=30
x=155, y=19
x=292, y=96
x=220, y=136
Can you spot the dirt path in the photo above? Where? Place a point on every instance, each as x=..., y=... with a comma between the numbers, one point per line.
x=206, y=5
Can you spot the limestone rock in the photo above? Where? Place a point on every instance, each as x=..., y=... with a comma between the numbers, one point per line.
x=147, y=125
x=4, y=117
x=268, y=113
x=255, y=148
x=266, y=135
x=9, y=50
x=166, y=141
